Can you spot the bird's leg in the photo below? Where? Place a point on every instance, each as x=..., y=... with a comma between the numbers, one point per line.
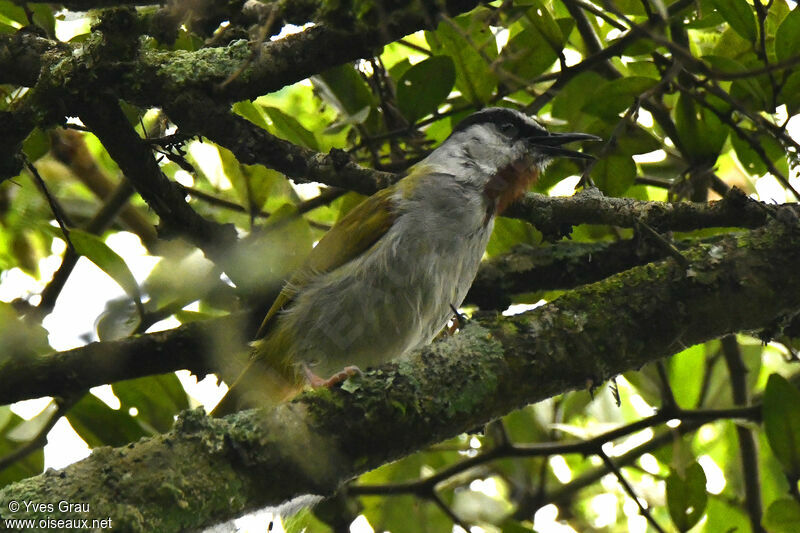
x=316, y=382
x=459, y=321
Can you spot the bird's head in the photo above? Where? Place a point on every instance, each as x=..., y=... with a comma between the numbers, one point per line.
x=504, y=150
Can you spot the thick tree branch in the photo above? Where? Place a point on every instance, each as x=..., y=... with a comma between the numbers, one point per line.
x=159, y=77
x=563, y=265
x=207, y=470
x=555, y=216
x=193, y=346
x=21, y=57
x=166, y=198
x=198, y=114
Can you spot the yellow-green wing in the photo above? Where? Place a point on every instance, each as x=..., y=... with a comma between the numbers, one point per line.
x=353, y=234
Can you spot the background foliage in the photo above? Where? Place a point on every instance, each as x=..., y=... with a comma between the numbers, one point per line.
x=691, y=97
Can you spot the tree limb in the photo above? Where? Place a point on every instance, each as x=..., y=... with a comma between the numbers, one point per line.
x=208, y=470
x=556, y=215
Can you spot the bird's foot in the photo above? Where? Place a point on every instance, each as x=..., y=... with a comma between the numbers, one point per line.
x=316, y=382
x=459, y=321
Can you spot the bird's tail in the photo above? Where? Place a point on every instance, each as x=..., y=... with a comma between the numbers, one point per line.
x=266, y=381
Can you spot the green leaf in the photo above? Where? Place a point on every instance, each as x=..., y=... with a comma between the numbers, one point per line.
x=725, y=517
x=471, y=45
x=43, y=17
x=686, y=496
x=739, y=14
x=29, y=466
x=303, y=521
x=13, y=12
x=568, y=102
x=782, y=516
x=156, y=398
x=100, y=425
x=95, y=250
x=476, y=507
x=19, y=338
x=782, y=422
x=748, y=157
x=345, y=89
x=254, y=184
x=701, y=133
x=510, y=232
x=614, y=174
x=749, y=84
x=790, y=93
x=732, y=45
x=540, y=18
x=631, y=138
x=616, y=96
x=36, y=145
x=533, y=50
x=288, y=127
x=787, y=38
x=248, y=110
x=425, y=86
x=399, y=68
x=527, y=54
x=684, y=369
x=28, y=429
x=397, y=513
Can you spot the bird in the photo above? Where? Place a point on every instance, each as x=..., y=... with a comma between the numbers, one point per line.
x=384, y=279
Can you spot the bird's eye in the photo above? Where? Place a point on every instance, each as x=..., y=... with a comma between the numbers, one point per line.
x=508, y=129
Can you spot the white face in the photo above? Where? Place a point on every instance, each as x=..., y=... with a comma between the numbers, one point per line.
x=492, y=140
x=493, y=147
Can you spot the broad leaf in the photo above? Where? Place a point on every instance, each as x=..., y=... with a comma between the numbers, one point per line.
x=701, y=133
x=782, y=422
x=686, y=496
x=787, y=38
x=288, y=127
x=739, y=14
x=100, y=425
x=782, y=516
x=98, y=252
x=425, y=86
x=471, y=45
x=614, y=174
x=156, y=398
x=29, y=466
x=616, y=96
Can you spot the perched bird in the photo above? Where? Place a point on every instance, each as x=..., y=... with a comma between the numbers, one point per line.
x=384, y=279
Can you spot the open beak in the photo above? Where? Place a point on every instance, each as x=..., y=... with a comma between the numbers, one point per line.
x=552, y=144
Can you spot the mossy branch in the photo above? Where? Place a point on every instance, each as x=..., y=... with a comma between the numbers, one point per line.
x=207, y=470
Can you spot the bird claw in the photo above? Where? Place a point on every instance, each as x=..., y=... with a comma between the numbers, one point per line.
x=459, y=321
x=316, y=382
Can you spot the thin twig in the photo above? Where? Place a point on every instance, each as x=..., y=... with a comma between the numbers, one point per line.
x=112, y=205
x=754, y=144
x=433, y=496
x=61, y=217
x=40, y=439
x=624, y=482
x=325, y=197
x=415, y=47
x=664, y=244
x=583, y=447
x=748, y=451
x=667, y=396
